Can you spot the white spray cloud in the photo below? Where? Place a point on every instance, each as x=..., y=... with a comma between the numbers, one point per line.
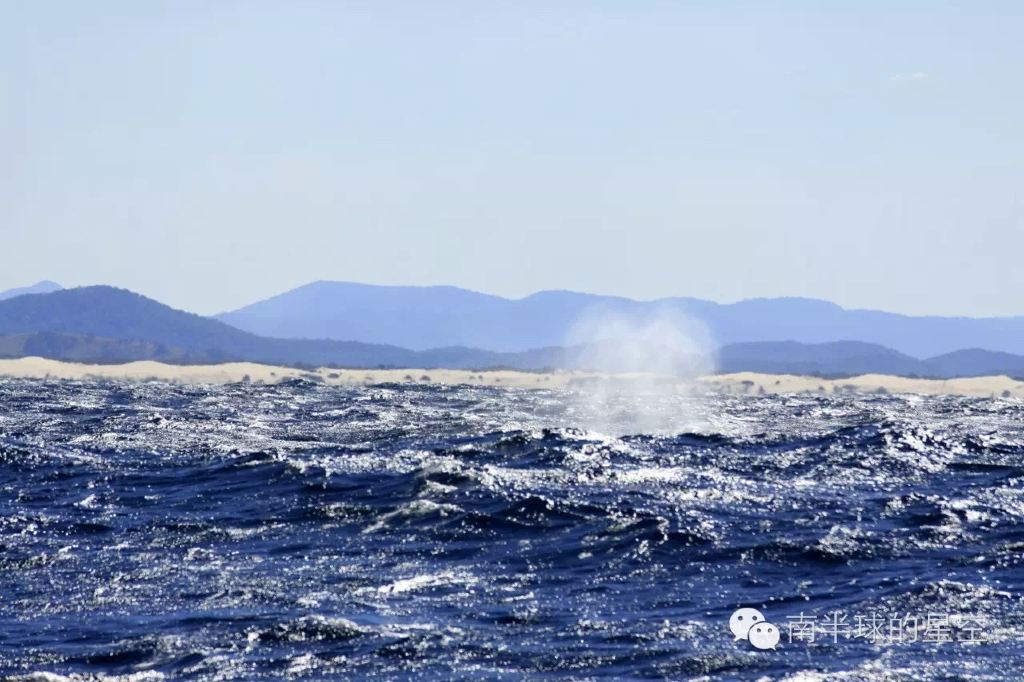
x=646, y=366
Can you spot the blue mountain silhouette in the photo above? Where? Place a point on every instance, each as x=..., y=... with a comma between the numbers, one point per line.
x=106, y=324
x=427, y=317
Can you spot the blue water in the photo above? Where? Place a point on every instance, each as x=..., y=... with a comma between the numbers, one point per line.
x=302, y=531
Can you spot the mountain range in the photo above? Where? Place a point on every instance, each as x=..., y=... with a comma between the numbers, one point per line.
x=105, y=324
x=428, y=317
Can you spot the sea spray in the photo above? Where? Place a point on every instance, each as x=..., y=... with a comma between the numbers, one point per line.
x=645, y=370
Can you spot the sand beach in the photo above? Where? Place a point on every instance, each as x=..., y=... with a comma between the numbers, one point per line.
x=742, y=383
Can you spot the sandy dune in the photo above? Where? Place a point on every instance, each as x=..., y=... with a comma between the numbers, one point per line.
x=249, y=371
x=753, y=383
x=748, y=383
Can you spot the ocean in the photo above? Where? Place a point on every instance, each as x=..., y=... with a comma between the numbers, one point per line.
x=154, y=531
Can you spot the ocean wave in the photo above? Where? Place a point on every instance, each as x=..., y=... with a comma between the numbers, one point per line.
x=219, y=533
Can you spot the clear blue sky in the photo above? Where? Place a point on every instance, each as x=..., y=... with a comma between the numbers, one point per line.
x=212, y=153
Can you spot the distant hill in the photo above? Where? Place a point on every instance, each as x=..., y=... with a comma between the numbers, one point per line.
x=429, y=317
x=836, y=358
x=852, y=358
x=103, y=324
x=976, y=362
x=121, y=325
x=44, y=287
x=411, y=317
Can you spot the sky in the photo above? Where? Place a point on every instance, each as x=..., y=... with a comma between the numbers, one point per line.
x=210, y=154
